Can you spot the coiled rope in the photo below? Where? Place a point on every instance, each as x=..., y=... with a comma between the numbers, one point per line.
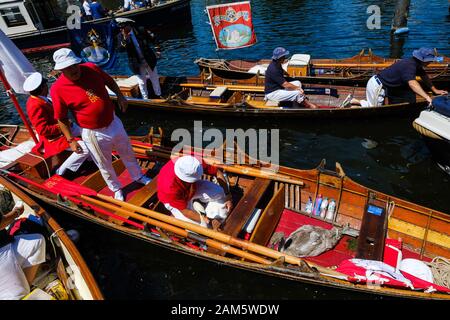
x=440, y=267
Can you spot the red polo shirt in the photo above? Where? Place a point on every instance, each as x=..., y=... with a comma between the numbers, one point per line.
x=172, y=190
x=87, y=98
x=42, y=118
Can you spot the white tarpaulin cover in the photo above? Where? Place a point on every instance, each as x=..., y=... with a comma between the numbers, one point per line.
x=13, y=63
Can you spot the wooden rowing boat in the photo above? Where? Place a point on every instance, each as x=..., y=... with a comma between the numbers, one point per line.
x=355, y=70
x=280, y=195
x=246, y=99
x=64, y=262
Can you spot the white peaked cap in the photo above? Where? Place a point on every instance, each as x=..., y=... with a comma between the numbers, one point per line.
x=32, y=82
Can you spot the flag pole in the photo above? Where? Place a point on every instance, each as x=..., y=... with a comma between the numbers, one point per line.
x=11, y=94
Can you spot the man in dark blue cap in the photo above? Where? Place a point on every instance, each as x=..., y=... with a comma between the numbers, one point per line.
x=277, y=88
x=398, y=82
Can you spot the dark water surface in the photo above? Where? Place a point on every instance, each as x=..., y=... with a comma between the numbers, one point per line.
x=399, y=165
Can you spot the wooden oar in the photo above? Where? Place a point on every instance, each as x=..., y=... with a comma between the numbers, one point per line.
x=246, y=88
x=174, y=229
x=237, y=169
x=224, y=238
x=200, y=230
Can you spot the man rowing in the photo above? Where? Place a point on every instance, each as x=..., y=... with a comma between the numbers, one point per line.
x=277, y=88
x=398, y=82
x=184, y=193
x=81, y=90
x=51, y=138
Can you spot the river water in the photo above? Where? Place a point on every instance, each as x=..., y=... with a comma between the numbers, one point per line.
x=400, y=164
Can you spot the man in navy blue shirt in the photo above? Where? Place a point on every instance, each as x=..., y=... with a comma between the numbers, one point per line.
x=277, y=88
x=97, y=10
x=398, y=82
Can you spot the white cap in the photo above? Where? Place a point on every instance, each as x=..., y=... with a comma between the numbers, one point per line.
x=188, y=169
x=32, y=82
x=65, y=58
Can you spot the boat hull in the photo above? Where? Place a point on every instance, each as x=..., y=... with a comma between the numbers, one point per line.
x=178, y=12
x=304, y=279
x=428, y=239
x=440, y=151
x=277, y=113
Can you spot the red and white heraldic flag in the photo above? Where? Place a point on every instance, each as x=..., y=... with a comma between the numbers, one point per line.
x=232, y=25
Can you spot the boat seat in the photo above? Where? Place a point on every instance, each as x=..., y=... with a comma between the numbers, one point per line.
x=38, y=166
x=140, y=198
x=245, y=207
x=128, y=86
x=95, y=181
x=263, y=104
x=218, y=92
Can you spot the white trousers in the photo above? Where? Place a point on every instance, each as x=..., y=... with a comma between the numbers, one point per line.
x=75, y=160
x=206, y=192
x=374, y=93
x=25, y=251
x=287, y=95
x=145, y=72
x=101, y=142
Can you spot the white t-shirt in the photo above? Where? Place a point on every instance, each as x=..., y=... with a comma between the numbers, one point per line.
x=25, y=251
x=87, y=8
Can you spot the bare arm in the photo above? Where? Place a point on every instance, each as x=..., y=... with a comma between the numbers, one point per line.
x=121, y=101
x=223, y=184
x=438, y=91
x=415, y=86
x=64, y=125
x=8, y=218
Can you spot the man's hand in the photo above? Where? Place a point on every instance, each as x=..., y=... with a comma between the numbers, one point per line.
x=229, y=205
x=123, y=103
x=440, y=92
x=75, y=147
x=301, y=90
x=18, y=208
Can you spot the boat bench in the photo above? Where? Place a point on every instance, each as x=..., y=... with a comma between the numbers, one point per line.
x=140, y=198
x=218, y=92
x=264, y=104
x=245, y=207
x=269, y=219
x=96, y=182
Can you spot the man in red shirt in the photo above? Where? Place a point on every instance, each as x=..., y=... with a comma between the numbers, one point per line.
x=180, y=184
x=51, y=139
x=81, y=90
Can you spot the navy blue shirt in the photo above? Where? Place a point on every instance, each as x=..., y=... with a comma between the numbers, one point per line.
x=403, y=71
x=96, y=10
x=274, y=78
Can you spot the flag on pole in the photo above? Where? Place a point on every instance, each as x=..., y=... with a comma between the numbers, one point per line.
x=232, y=25
x=14, y=65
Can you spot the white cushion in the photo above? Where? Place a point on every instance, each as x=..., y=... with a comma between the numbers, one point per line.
x=261, y=68
x=299, y=60
x=127, y=82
